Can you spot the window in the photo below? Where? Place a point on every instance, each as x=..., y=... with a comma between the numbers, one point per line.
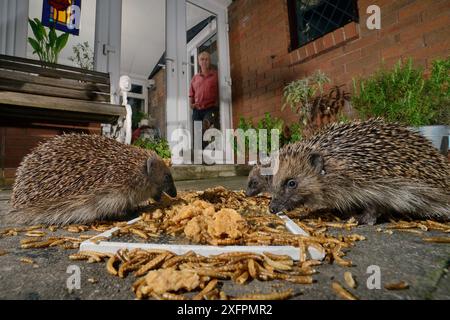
x=311, y=19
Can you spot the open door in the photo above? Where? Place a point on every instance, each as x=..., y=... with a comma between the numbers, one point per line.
x=192, y=27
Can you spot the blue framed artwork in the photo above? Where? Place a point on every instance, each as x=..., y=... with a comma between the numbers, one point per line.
x=64, y=15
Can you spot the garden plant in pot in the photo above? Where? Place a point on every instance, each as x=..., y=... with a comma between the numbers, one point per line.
x=313, y=104
x=405, y=94
x=46, y=44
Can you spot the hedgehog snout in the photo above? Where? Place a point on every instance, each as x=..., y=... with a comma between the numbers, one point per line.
x=275, y=206
x=253, y=191
x=250, y=193
x=169, y=186
x=171, y=190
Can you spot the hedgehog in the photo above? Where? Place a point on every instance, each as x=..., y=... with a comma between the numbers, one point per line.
x=256, y=182
x=368, y=168
x=80, y=178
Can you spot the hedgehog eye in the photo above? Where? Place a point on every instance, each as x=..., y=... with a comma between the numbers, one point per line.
x=252, y=184
x=292, y=184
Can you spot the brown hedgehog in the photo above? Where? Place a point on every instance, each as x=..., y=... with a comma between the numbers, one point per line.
x=369, y=167
x=81, y=178
x=256, y=182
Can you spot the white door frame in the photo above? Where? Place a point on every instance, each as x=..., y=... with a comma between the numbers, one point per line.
x=108, y=36
x=177, y=64
x=192, y=50
x=176, y=107
x=220, y=9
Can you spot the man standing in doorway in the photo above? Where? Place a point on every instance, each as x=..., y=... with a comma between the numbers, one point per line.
x=204, y=94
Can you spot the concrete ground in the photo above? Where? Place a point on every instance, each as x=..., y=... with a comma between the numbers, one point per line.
x=400, y=256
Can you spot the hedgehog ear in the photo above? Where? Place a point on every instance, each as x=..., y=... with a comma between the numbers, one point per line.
x=317, y=162
x=151, y=165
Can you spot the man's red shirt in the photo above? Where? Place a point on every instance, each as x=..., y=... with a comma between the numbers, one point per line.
x=204, y=90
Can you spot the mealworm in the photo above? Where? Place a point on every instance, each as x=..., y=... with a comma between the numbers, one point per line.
x=267, y=296
x=343, y=293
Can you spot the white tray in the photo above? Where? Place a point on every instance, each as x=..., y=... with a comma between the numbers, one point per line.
x=204, y=250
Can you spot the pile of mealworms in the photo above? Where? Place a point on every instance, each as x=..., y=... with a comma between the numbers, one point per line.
x=154, y=270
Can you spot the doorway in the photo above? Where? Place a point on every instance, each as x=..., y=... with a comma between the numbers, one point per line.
x=192, y=27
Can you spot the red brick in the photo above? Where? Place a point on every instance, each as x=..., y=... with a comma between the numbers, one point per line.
x=338, y=36
x=361, y=43
x=414, y=8
x=437, y=9
x=319, y=45
x=346, y=58
x=310, y=49
x=328, y=41
x=437, y=36
x=350, y=31
x=391, y=52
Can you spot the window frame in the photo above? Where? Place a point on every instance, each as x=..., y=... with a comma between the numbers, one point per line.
x=142, y=96
x=293, y=25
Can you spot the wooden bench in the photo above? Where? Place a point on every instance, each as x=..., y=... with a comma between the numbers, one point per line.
x=33, y=90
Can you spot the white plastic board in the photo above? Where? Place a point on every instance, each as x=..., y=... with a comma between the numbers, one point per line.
x=204, y=250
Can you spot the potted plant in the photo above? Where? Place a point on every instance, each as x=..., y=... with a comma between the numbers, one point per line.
x=47, y=45
x=312, y=103
x=83, y=56
x=404, y=95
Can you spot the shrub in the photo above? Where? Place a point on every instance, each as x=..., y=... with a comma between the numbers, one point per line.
x=288, y=134
x=403, y=94
x=160, y=146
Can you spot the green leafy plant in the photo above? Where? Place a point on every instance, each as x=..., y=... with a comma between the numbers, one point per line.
x=160, y=146
x=288, y=133
x=47, y=45
x=299, y=95
x=136, y=117
x=83, y=56
x=313, y=105
x=293, y=133
x=245, y=125
x=268, y=123
x=403, y=94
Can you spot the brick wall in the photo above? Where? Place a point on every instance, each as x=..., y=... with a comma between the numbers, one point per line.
x=261, y=64
x=18, y=141
x=157, y=101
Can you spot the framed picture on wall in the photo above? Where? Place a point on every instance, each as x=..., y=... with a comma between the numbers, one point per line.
x=64, y=15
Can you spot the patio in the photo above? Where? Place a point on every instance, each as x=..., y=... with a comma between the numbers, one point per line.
x=257, y=52
x=400, y=256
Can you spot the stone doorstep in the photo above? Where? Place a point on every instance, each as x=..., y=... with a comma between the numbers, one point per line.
x=187, y=172
x=198, y=172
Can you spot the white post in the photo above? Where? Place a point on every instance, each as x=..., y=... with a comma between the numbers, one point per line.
x=108, y=30
x=14, y=27
x=125, y=87
x=177, y=113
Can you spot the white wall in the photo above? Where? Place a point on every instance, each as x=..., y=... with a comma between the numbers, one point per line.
x=143, y=36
